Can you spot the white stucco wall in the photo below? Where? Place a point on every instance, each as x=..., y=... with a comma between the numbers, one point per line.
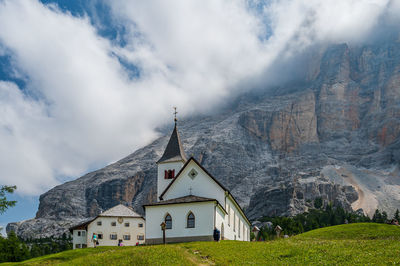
x=80, y=240
x=202, y=185
x=220, y=221
x=232, y=228
x=204, y=219
x=106, y=229
x=162, y=183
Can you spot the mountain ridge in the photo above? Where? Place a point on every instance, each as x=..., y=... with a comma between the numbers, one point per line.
x=336, y=137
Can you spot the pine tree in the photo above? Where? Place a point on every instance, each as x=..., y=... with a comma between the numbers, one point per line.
x=36, y=251
x=318, y=203
x=397, y=215
x=377, y=218
x=384, y=217
x=15, y=250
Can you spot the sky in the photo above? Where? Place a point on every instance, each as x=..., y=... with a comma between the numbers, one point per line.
x=84, y=83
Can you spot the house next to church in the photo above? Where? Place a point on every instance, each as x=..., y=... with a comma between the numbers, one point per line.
x=191, y=202
x=118, y=224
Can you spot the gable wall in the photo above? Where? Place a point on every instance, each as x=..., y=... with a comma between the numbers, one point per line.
x=202, y=185
x=106, y=229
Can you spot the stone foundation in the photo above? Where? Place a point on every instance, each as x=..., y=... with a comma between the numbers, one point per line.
x=152, y=241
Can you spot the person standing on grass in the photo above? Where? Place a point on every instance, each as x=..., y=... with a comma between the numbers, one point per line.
x=216, y=234
x=94, y=238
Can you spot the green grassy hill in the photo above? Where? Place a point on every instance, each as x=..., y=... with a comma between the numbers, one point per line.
x=350, y=244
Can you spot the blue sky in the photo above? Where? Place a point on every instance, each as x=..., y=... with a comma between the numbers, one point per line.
x=85, y=83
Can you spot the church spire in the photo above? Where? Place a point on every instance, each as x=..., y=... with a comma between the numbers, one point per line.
x=175, y=119
x=174, y=150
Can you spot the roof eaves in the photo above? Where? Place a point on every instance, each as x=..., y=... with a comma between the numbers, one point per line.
x=84, y=224
x=171, y=203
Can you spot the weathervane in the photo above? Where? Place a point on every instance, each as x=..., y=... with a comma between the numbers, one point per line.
x=175, y=112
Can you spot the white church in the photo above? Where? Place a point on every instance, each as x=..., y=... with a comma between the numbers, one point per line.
x=191, y=202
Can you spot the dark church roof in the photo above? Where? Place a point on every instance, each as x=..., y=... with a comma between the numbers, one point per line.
x=185, y=199
x=174, y=150
x=82, y=226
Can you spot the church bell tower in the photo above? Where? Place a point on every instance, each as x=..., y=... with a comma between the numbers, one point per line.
x=171, y=162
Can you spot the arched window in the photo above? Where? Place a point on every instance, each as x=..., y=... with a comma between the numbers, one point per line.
x=168, y=222
x=190, y=220
x=239, y=228
x=229, y=215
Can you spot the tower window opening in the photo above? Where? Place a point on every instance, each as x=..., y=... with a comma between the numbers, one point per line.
x=170, y=174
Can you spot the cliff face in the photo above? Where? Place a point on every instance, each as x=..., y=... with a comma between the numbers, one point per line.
x=337, y=137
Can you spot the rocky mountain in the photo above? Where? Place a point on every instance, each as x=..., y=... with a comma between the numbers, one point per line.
x=334, y=134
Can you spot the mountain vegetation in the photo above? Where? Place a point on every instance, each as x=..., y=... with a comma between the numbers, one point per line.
x=13, y=249
x=317, y=218
x=349, y=244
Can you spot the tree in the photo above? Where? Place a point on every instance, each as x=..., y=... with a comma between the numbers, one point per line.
x=13, y=250
x=4, y=203
x=377, y=218
x=384, y=217
x=318, y=203
x=397, y=215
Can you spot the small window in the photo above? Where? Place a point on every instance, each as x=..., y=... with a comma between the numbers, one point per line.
x=100, y=236
x=140, y=225
x=99, y=223
x=79, y=233
x=127, y=237
x=190, y=220
x=113, y=236
x=126, y=224
x=113, y=223
x=84, y=246
x=77, y=245
x=192, y=174
x=170, y=174
x=234, y=223
x=168, y=222
x=239, y=229
x=229, y=215
x=140, y=237
x=83, y=233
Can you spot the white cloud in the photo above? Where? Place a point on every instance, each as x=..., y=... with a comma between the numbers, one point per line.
x=81, y=109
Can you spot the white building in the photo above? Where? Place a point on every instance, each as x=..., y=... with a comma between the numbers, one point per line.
x=191, y=202
x=115, y=224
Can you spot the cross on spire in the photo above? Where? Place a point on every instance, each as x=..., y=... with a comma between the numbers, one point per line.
x=190, y=190
x=175, y=112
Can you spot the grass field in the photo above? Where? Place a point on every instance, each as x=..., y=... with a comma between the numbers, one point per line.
x=350, y=244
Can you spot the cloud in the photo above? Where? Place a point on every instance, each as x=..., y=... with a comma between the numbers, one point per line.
x=90, y=99
x=86, y=111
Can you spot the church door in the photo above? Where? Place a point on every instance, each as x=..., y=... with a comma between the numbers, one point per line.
x=222, y=231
